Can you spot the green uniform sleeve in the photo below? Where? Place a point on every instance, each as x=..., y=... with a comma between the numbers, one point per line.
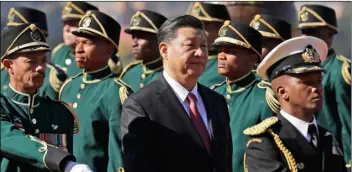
x=343, y=100
x=16, y=146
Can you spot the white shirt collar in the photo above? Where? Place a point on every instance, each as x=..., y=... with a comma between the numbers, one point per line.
x=180, y=91
x=300, y=125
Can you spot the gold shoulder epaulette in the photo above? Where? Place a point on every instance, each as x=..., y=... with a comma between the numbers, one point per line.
x=217, y=85
x=57, y=48
x=270, y=96
x=66, y=82
x=124, y=91
x=128, y=67
x=262, y=127
x=345, y=69
x=54, y=81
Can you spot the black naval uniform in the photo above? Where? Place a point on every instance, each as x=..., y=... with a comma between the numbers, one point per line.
x=282, y=143
x=36, y=132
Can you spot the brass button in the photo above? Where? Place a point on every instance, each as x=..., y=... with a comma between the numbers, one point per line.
x=228, y=97
x=143, y=76
x=78, y=96
x=83, y=86
x=34, y=121
x=141, y=85
x=75, y=105
x=36, y=131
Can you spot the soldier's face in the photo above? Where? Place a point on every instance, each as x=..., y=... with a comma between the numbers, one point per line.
x=187, y=54
x=91, y=53
x=144, y=45
x=69, y=27
x=27, y=69
x=234, y=61
x=305, y=91
x=268, y=45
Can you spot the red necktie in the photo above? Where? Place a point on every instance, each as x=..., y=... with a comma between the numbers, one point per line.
x=198, y=122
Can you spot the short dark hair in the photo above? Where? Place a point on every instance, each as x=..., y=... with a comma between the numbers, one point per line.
x=167, y=31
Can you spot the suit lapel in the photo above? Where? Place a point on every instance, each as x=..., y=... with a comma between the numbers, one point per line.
x=295, y=141
x=172, y=103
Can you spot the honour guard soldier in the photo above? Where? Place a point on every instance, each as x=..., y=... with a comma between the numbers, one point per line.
x=143, y=29
x=52, y=83
x=213, y=16
x=273, y=30
x=55, y=76
x=63, y=54
x=335, y=115
x=292, y=140
x=249, y=99
x=96, y=95
x=36, y=132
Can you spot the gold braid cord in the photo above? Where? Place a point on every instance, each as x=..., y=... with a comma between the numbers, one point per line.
x=244, y=158
x=288, y=155
x=123, y=94
x=345, y=69
x=270, y=97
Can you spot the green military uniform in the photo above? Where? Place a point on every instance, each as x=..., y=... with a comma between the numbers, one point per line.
x=140, y=73
x=217, y=14
x=97, y=98
x=336, y=112
x=36, y=132
x=55, y=77
x=249, y=99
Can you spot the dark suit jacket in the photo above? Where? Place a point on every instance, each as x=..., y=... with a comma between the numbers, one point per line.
x=265, y=155
x=158, y=135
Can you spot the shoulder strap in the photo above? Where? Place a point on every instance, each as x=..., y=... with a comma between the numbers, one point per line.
x=345, y=69
x=124, y=91
x=128, y=67
x=57, y=48
x=217, y=85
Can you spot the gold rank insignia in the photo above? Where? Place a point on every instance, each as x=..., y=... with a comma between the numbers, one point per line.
x=304, y=16
x=223, y=31
x=86, y=22
x=310, y=55
x=136, y=21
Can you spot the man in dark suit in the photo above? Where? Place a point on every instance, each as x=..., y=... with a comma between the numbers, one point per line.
x=293, y=141
x=175, y=124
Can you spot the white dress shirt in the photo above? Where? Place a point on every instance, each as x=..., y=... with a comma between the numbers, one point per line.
x=300, y=125
x=182, y=93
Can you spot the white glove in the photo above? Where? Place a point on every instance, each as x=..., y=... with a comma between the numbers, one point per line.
x=76, y=167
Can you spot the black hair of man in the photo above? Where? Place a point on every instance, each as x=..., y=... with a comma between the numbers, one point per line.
x=167, y=31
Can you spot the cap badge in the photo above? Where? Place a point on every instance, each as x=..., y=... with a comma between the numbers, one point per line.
x=223, y=31
x=304, y=16
x=35, y=36
x=310, y=55
x=86, y=22
x=136, y=21
x=255, y=25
